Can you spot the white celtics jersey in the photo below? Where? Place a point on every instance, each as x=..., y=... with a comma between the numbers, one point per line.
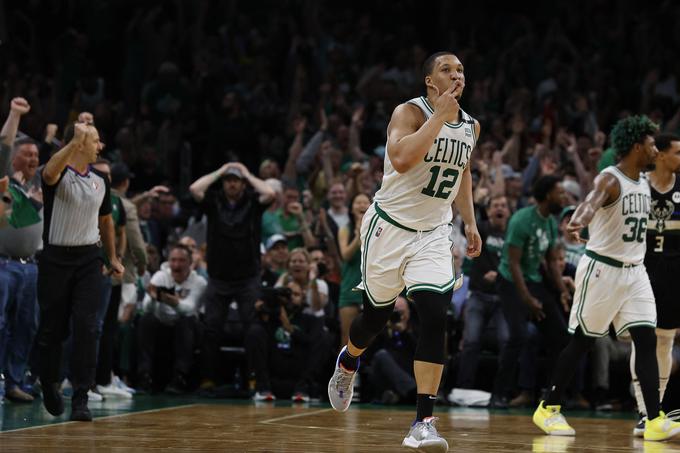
x=619, y=230
x=421, y=198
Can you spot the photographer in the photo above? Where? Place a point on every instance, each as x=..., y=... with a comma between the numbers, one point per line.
x=170, y=311
x=280, y=346
x=391, y=371
x=301, y=270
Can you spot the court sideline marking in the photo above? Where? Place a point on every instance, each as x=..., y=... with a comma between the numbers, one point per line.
x=288, y=417
x=106, y=417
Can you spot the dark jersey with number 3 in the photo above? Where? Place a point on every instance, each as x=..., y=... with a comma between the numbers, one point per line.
x=663, y=228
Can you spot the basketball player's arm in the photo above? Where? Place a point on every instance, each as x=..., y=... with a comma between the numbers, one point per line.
x=465, y=203
x=57, y=163
x=409, y=138
x=605, y=191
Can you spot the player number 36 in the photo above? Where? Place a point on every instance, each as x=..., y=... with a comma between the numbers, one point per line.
x=638, y=228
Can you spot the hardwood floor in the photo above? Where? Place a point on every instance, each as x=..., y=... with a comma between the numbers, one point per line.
x=266, y=428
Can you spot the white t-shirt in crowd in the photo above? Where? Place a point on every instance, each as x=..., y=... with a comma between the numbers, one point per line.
x=189, y=292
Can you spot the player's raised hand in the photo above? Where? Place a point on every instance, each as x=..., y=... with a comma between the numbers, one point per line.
x=446, y=103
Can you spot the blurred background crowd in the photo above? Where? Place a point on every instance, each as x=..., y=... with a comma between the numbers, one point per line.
x=245, y=140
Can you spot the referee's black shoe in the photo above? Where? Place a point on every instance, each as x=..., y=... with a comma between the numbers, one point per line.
x=79, y=410
x=52, y=398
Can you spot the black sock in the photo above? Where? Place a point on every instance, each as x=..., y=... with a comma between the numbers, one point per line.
x=564, y=368
x=424, y=406
x=348, y=361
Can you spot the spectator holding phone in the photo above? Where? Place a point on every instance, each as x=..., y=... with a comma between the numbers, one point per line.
x=170, y=312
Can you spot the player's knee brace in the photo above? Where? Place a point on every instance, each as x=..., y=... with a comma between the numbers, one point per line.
x=431, y=308
x=369, y=323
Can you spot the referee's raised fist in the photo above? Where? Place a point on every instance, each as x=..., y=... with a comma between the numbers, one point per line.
x=80, y=131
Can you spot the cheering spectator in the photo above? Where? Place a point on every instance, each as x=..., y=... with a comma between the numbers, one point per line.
x=233, y=238
x=349, y=239
x=484, y=304
x=170, y=311
x=19, y=242
x=301, y=271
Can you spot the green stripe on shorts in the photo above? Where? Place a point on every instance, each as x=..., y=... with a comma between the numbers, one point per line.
x=441, y=289
x=635, y=324
x=582, y=300
x=369, y=234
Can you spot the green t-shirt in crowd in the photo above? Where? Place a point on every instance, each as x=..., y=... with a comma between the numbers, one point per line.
x=270, y=224
x=117, y=211
x=290, y=224
x=534, y=234
x=608, y=158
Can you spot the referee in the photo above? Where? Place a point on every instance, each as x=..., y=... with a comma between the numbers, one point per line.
x=70, y=282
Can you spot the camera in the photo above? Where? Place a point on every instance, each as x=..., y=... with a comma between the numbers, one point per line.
x=161, y=289
x=274, y=298
x=321, y=269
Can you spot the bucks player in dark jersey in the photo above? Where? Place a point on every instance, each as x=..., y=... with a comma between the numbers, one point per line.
x=663, y=260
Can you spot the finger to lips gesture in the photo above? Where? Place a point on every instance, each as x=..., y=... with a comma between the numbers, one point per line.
x=446, y=102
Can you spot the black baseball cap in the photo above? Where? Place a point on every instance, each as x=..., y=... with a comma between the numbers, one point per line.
x=119, y=173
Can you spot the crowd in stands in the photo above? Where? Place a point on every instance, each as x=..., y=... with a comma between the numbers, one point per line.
x=244, y=143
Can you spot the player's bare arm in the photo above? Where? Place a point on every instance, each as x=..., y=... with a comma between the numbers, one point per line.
x=409, y=138
x=606, y=191
x=465, y=205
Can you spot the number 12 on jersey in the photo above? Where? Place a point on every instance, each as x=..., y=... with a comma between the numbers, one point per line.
x=450, y=176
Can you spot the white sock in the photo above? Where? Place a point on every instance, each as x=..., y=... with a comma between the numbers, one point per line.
x=664, y=358
x=664, y=355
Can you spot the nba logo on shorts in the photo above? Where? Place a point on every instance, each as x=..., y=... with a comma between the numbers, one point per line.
x=377, y=233
x=597, y=273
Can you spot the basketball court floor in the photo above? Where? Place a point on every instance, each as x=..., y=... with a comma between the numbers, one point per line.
x=182, y=424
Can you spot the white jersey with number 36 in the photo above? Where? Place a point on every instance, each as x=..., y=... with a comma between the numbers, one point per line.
x=619, y=230
x=421, y=198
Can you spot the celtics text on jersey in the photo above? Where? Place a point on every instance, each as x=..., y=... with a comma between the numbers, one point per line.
x=420, y=199
x=618, y=230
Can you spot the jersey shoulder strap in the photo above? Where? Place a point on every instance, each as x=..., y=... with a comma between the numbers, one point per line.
x=421, y=104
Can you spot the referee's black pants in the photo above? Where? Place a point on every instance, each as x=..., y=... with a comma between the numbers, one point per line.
x=70, y=285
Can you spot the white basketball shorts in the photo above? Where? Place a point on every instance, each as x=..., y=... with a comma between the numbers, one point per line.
x=610, y=292
x=394, y=256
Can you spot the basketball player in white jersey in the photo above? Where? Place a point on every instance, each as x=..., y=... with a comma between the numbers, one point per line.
x=612, y=286
x=405, y=236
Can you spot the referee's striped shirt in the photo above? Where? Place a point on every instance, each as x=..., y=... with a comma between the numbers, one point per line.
x=73, y=206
